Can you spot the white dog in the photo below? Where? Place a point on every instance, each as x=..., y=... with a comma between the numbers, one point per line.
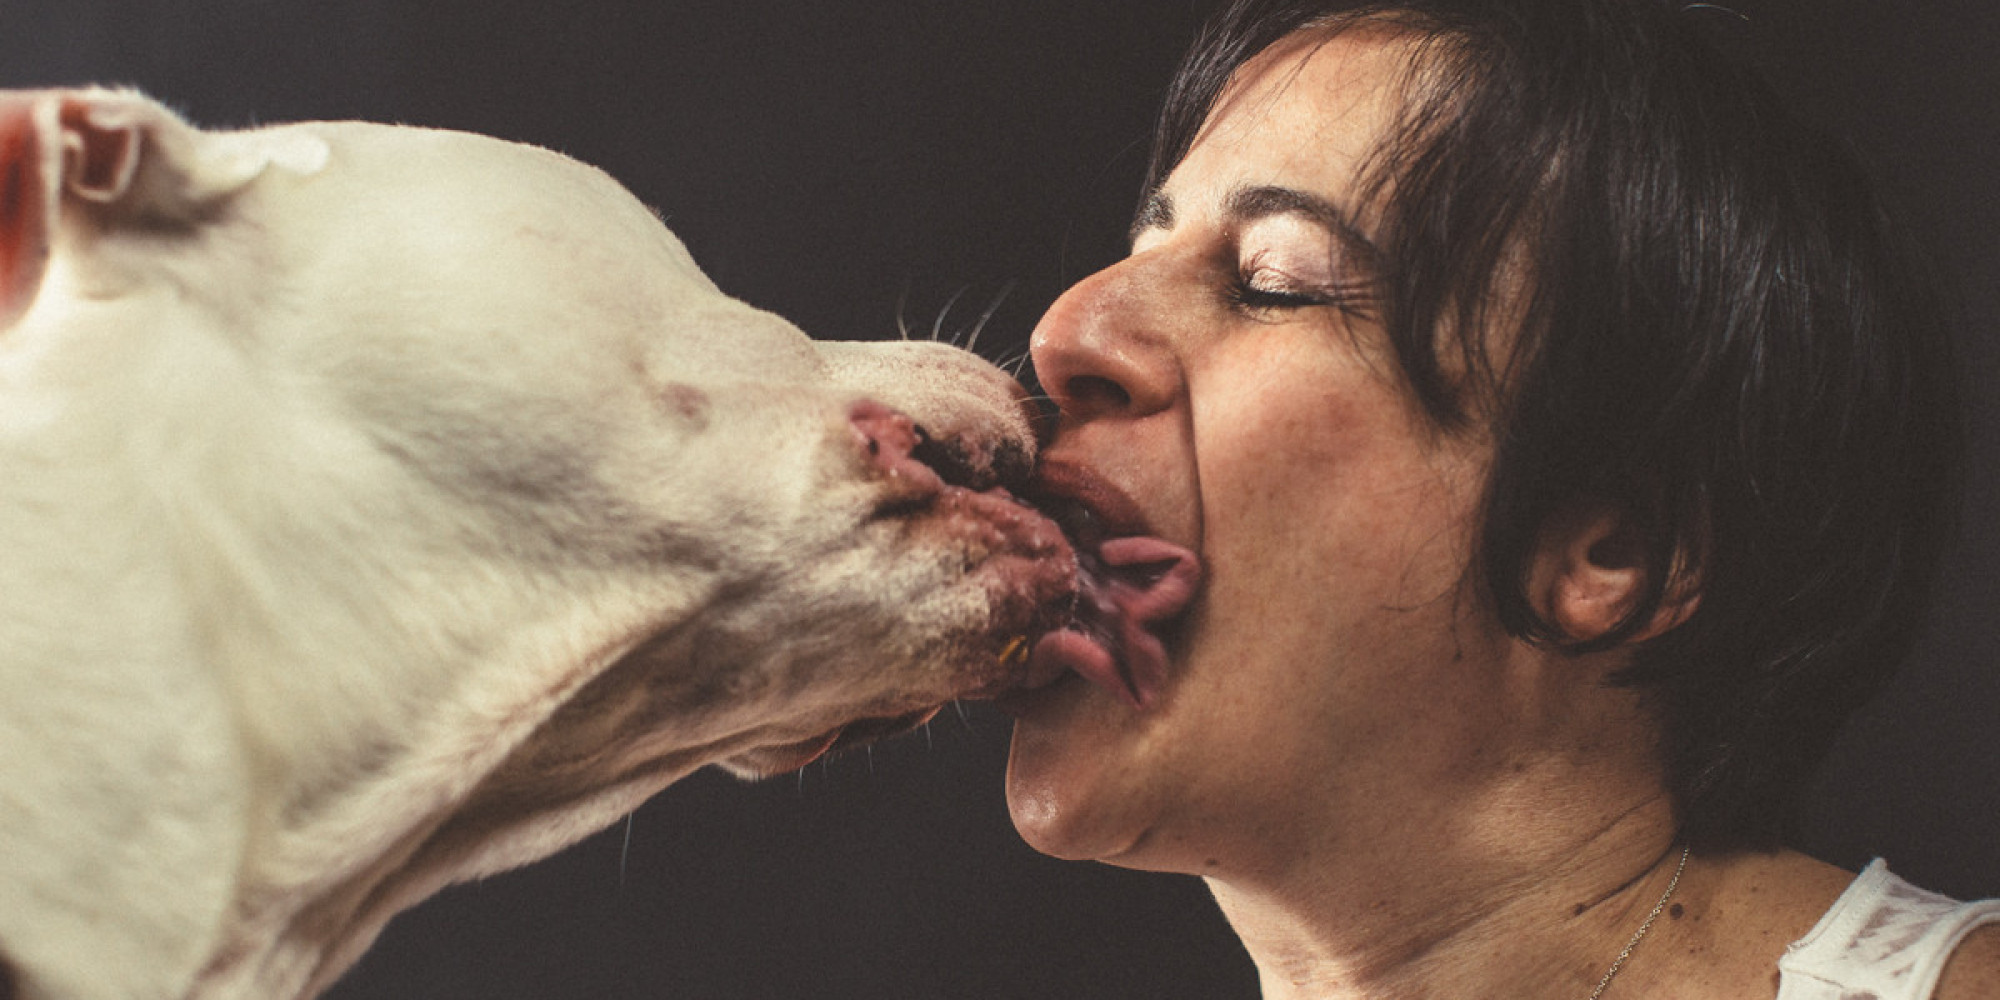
x=384, y=507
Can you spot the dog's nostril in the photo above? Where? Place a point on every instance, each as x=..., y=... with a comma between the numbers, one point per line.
x=950, y=461
x=1013, y=464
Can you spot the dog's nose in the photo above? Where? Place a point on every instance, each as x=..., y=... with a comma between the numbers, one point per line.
x=958, y=397
x=900, y=447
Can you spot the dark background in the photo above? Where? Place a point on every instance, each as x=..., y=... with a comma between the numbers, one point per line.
x=844, y=163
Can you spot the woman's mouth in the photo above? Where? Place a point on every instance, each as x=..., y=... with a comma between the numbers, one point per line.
x=1131, y=588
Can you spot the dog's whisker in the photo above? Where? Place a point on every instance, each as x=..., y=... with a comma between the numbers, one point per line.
x=937, y=326
x=1031, y=378
x=625, y=850
x=979, y=327
x=1012, y=362
x=902, y=310
x=1043, y=411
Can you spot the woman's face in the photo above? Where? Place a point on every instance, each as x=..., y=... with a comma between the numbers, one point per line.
x=1333, y=668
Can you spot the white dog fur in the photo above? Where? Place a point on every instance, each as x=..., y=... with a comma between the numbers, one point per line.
x=385, y=507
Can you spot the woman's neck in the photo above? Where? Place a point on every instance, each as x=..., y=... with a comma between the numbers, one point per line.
x=1504, y=929
x=1505, y=914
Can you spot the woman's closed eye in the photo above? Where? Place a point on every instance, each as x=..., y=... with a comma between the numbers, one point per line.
x=1289, y=261
x=1257, y=285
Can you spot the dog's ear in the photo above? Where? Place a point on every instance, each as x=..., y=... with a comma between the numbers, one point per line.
x=56, y=145
x=30, y=169
x=131, y=157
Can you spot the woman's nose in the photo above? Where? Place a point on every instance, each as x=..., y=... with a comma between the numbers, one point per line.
x=1103, y=351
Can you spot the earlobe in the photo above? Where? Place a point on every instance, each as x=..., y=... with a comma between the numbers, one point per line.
x=1592, y=572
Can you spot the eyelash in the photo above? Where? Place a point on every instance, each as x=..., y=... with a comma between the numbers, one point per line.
x=1243, y=294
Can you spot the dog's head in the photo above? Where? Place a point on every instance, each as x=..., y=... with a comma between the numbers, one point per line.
x=470, y=510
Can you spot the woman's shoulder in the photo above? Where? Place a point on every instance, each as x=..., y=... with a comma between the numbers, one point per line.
x=1885, y=938
x=1974, y=970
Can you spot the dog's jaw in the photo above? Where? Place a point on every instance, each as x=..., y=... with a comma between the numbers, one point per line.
x=720, y=683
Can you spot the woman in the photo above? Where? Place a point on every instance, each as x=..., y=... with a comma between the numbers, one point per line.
x=1567, y=445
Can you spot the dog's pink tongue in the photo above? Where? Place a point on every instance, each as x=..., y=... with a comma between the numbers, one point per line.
x=1131, y=589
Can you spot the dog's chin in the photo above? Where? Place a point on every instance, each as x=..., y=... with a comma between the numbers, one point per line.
x=784, y=758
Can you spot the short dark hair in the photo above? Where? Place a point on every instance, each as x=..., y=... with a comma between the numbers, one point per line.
x=1722, y=336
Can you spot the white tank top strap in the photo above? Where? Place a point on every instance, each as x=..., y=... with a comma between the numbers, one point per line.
x=1884, y=939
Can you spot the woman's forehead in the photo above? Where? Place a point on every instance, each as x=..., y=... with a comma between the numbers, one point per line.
x=1307, y=112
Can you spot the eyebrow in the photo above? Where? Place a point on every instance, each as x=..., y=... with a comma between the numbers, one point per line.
x=1250, y=203
x=1156, y=213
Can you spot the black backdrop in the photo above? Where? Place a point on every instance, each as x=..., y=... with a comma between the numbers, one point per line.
x=847, y=163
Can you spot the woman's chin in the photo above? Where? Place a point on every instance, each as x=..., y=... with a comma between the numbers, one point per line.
x=1051, y=822
x=1070, y=794
x=1042, y=822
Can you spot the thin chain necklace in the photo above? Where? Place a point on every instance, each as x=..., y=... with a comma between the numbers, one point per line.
x=1640, y=934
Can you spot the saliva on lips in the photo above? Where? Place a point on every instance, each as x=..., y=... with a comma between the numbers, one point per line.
x=1129, y=589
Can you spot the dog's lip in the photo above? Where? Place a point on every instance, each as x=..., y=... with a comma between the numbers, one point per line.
x=1115, y=511
x=784, y=758
x=862, y=732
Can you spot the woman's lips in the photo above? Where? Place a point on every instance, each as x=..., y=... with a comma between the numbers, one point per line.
x=1131, y=587
x=1113, y=509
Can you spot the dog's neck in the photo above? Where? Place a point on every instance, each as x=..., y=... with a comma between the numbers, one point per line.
x=256, y=802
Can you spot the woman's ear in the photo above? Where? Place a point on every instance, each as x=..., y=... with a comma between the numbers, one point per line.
x=1591, y=571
